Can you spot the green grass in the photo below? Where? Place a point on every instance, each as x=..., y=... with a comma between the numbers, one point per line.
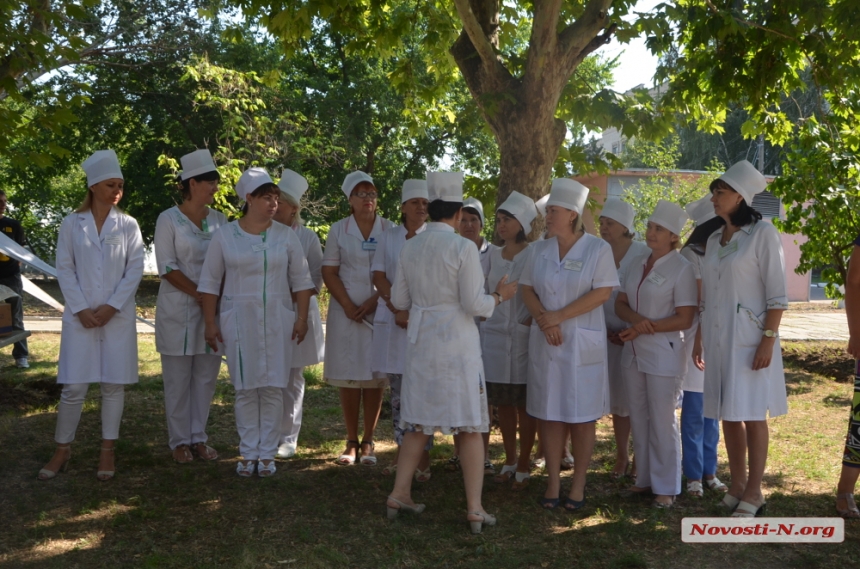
x=313, y=513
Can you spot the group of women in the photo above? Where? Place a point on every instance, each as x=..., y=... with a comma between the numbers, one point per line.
x=576, y=327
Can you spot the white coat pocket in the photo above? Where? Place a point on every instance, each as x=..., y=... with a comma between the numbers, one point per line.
x=748, y=327
x=590, y=346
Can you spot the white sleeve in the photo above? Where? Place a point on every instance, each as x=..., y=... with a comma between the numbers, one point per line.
x=164, y=244
x=67, y=275
x=686, y=292
x=771, y=264
x=605, y=273
x=315, y=258
x=526, y=275
x=213, y=269
x=695, y=260
x=379, y=255
x=133, y=272
x=331, y=257
x=298, y=274
x=470, y=282
x=400, y=297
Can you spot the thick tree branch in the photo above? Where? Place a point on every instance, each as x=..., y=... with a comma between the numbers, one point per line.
x=543, y=41
x=595, y=44
x=476, y=34
x=582, y=33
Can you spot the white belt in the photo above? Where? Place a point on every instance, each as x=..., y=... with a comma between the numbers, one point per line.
x=417, y=312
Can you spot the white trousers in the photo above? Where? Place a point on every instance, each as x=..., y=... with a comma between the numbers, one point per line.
x=189, y=384
x=72, y=402
x=294, y=395
x=656, y=438
x=258, y=420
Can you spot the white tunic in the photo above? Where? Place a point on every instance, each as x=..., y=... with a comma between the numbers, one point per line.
x=568, y=383
x=389, y=339
x=439, y=280
x=348, y=343
x=694, y=379
x=670, y=284
x=740, y=282
x=256, y=307
x=181, y=246
x=95, y=269
x=312, y=349
x=504, y=337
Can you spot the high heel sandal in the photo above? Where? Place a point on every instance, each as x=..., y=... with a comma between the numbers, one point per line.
x=46, y=474
x=851, y=512
x=266, y=469
x=348, y=459
x=368, y=459
x=182, y=455
x=477, y=526
x=422, y=475
x=508, y=471
x=105, y=475
x=392, y=512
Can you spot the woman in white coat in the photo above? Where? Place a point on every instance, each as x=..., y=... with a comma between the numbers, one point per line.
x=566, y=280
x=389, y=338
x=505, y=340
x=658, y=300
x=617, y=229
x=700, y=436
x=349, y=252
x=189, y=368
x=312, y=349
x=260, y=263
x=439, y=281
x=99, y=267
x=744, y=291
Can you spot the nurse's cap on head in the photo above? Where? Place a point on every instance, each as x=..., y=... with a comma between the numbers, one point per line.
x=669, y=215
x=477, y=206
x=197, y=163
x=413, y=189
x=701, y=210
x=522, y=208
x=293, y=184
x=745, y=180
x=100, y=166
x=568, y=194
x=541, y=205
x=250, y=180
x=353, y=179
x=445, y=186
x=619, y=210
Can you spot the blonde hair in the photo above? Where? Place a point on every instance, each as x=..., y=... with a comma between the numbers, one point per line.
x=293, y=202
x=87, y=204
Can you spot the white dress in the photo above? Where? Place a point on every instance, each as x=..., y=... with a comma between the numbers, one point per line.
x=504, y=338
x=257, y=317
x=439, y=280
x=694, y=379
x=389, y=339
x=181, y=246
x=95, y=269
x=312, y=349
x=348, y=343
x=568, y=383
x=618, y=401
x=740, y=282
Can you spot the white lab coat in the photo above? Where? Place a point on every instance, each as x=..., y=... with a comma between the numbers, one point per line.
x=348, y=343
x=618, y=400
x=740, y=282
x=670, y=284
x=312, y=349
x=439, y=281
x=505, y=337
x=568, y=383
x=256, y=307
x=95, y=269
x=181, y=246
x=694, y=379
x=389, y=339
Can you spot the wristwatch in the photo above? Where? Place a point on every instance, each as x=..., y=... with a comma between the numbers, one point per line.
x=770, y=334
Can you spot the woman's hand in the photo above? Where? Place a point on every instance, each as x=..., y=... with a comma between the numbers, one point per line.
x=401, y=318
x=549, y=319
x=628, y=334
x=212, y=335
x=104, y=313
x=300, y=330
x=763, y=353
x=505, y=289
x=645, y=327
x=367, y=307
x=198, y=298
x=614, y=338
x=553, y=336
x=88, y=318
x=697, y=353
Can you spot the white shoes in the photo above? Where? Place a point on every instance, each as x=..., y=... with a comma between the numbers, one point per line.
x=286, y=450
x=246, y=468
x=22, y=363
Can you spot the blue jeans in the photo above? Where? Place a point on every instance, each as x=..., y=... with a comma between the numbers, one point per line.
x=699, y=438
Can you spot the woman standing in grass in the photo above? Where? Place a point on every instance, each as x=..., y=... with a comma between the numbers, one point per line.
x=99, y=267
x=189, y=368
x=845, y=505
x=259, y=263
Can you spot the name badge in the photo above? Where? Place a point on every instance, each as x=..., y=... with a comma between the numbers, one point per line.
x=728, y=249
x=205, y=236
x=369, y=245
x=260, y=247
x=113, y=239
x=570, y=265
x=656, y=278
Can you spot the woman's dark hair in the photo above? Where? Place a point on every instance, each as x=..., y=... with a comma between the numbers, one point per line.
x=476, y=213
x=699, y=237
x=439, y=210
x=521, y=236
x=745, y=214
x=265, y=189
x=185, y=185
